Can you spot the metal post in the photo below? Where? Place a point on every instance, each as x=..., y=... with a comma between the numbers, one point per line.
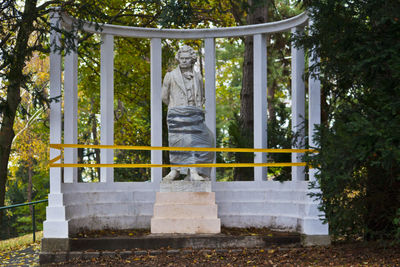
x=33, y=223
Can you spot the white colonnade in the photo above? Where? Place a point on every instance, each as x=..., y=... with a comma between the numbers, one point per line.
x=58, y=190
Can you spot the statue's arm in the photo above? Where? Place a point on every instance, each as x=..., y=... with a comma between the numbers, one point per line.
x=166, y=88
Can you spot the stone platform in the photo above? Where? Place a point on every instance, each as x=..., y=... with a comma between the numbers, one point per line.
x=185, y=207
x=153, y=244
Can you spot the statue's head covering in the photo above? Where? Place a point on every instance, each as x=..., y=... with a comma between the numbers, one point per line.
x=189, y=50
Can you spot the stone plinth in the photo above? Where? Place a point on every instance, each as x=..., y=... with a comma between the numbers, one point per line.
x=185, y=207
x=185, y=186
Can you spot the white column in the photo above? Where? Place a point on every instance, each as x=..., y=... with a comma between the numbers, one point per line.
x=71, y=114
x=55, y=225
x=314, y=106
x=156, y=108
x=209, y=47
x=55, y=105
x=298, y=106
x=260, y=104
x=107, y=105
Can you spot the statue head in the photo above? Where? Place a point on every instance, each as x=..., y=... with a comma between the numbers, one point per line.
x=186, y=56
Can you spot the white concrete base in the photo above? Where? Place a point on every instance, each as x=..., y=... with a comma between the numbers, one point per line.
x=95, y=206
x=55, y=229
x=185, y=213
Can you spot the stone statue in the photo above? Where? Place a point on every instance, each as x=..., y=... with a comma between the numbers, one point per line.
x=183, y=92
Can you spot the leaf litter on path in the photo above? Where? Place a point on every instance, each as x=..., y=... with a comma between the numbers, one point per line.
x=25, y=256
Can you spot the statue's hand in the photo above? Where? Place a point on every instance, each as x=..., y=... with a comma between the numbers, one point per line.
x=188, y=75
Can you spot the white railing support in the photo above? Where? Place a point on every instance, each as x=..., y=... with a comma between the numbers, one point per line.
x=107, y=105
x=298, y=106
x=260, y=104
x=56, y=99
x=210, y=106
x=71, y=113
x=156, y=107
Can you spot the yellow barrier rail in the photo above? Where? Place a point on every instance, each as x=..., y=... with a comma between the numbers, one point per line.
x=207, y=165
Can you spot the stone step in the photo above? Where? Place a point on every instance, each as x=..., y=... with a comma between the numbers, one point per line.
x=254, y=207
x=77, y=198
x=172, y=210
x=186, y=197
x=185, y=226
x=108, y=209
x=157, y=241
x=78, y=225
x=262, y=185
x=185, y=186
x=272, y=221
x=261, y=195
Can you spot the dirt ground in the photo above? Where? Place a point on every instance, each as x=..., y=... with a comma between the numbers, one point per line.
x=354, y=254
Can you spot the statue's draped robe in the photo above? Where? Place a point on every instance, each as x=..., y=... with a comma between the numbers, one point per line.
x=185, y=119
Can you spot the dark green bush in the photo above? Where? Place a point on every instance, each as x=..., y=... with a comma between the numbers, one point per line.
x=358, y=43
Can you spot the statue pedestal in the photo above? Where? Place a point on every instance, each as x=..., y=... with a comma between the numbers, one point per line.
x=185, y=207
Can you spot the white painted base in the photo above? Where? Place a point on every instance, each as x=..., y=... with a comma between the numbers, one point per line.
x=185, y=213
x=55, y=229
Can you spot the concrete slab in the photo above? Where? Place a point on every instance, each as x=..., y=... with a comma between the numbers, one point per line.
x=191, y=225
x=315, y=240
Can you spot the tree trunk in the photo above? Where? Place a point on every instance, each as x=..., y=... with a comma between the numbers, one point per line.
x=271, y=105
x=15, y=78
x=257, y=13
x=381, y=202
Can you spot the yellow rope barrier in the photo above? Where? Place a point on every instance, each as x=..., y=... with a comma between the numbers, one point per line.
x=55, y=159
x=215, y=149
x=206, y=165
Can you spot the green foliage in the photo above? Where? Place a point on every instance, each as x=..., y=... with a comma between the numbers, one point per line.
x=176, y=13
x=280, y=136
x=359, y=160
x=229, y=61
x=18, y=221
x=229, y=84
x=396, y=222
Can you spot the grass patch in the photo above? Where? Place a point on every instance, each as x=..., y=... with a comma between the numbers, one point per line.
x=19, y=242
